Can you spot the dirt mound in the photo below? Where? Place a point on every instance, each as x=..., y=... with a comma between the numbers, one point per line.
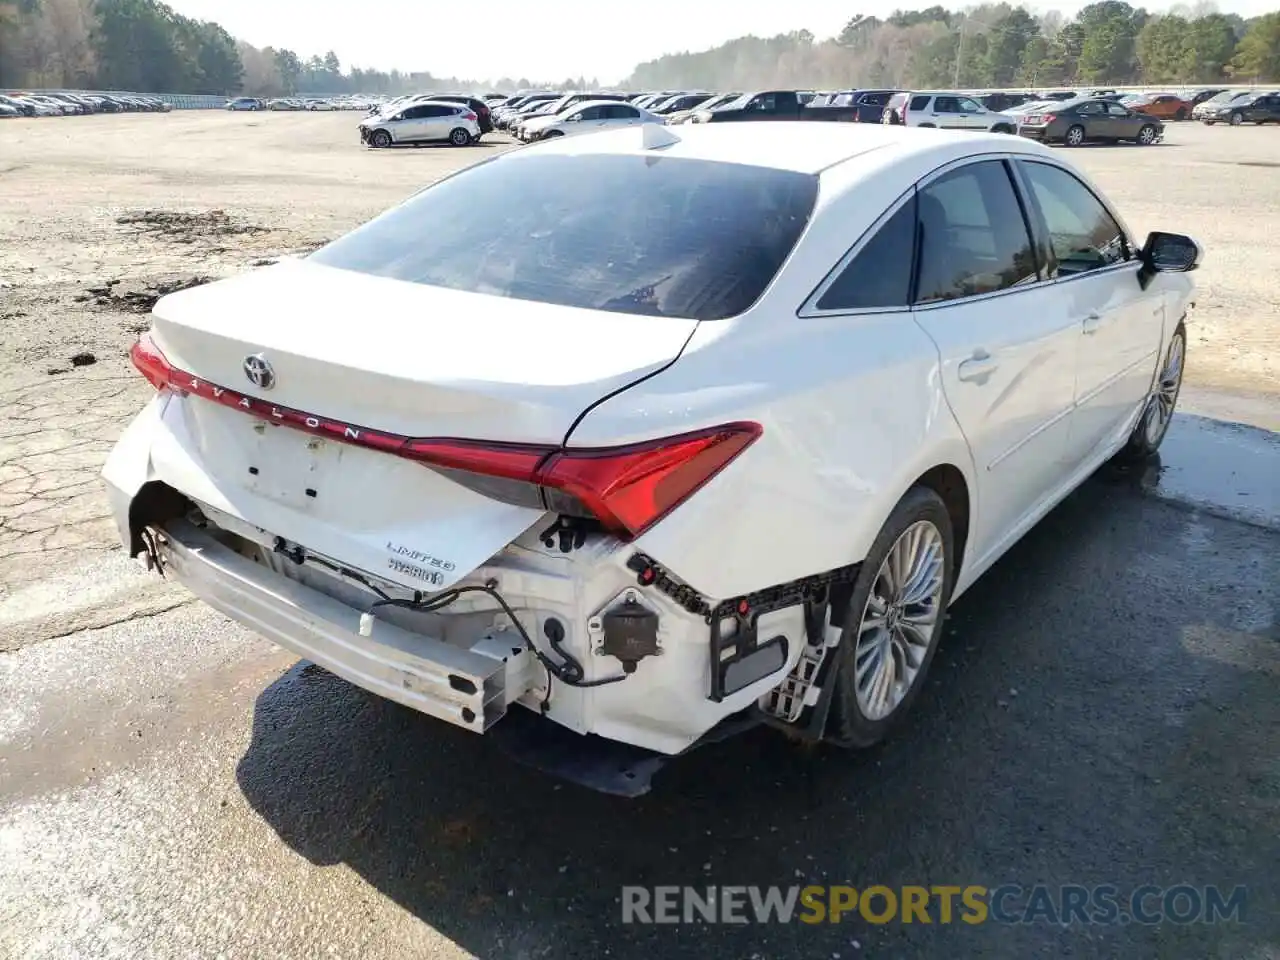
x=180, y=227
x=137, y=296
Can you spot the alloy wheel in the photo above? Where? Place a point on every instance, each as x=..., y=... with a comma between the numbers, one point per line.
x=1075, y=136
x=898, y=621
x=1165, y=398
x=1147, y=136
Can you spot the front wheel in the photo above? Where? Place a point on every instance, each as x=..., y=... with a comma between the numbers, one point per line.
x=894, y=621
x=460, y=137
x=1237, y=119
x=1075, y=136
x=1152, y=426
x=380, y=138
x=1146, y=136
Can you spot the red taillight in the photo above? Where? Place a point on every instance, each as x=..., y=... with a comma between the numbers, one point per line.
x=469, y=116
x=628, y=489
x=151, y=362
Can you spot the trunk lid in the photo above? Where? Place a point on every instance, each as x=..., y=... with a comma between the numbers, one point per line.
x=411, y=359
x=349, y=352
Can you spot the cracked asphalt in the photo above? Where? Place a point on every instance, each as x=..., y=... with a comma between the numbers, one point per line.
x=1103, y=709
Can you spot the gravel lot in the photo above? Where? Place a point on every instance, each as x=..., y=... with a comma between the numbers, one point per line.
x=171, y=786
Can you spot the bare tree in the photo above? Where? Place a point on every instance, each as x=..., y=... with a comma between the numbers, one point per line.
x=55, y=45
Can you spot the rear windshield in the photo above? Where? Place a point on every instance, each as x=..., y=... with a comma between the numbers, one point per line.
x=661, y=236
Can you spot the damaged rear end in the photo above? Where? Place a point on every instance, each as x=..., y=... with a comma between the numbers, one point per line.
x=367, y=456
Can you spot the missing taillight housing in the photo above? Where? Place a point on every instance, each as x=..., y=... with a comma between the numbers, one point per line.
x=627, y=489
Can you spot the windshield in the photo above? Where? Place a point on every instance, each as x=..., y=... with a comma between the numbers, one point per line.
x=662, y=236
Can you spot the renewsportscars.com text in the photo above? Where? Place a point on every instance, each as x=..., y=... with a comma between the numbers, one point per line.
x=973, y=904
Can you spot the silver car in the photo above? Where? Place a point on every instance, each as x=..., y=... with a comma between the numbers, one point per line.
x=422, y=123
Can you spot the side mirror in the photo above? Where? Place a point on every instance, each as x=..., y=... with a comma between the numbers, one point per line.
x=1172, y=252
x=1168, y=253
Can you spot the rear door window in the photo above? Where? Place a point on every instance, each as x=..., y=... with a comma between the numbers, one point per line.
x=663, y=236
x=973, y=235
x=920, y=103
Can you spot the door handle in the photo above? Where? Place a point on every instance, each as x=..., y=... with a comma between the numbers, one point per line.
x=1091, y=324
x=977, y=368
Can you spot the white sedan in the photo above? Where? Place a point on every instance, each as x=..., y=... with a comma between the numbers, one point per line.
x=716, y=426
x=591, y=116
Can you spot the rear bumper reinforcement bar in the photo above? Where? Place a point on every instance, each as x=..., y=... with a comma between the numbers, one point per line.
x=465, y=687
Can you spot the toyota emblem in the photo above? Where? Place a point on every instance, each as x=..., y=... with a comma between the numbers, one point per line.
x=259, y=372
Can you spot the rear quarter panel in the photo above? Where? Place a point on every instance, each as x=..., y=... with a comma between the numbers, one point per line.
x=852, y=413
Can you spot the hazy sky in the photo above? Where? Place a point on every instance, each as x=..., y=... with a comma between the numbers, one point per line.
x=546, y=40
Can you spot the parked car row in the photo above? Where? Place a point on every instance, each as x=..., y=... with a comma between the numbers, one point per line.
x=533, y=116
x=252, y=104
x=19, y=104
x=1235, y=107
x=1068, y=117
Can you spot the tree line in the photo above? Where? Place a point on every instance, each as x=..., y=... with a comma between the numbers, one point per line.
x=991, y=45
x=144, y=46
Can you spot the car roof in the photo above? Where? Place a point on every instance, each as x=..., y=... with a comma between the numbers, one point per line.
x=795, y=145
x=581, y=104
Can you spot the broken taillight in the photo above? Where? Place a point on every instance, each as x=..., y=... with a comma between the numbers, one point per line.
x=626, y=488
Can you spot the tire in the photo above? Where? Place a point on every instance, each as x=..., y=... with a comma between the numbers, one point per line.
x=1074, y=136
x=1146, y=136
x=460, y=137
x=379, y=139
x=1236, y=119
x=851, y=724
x=1149, y=432
x=930, y=126
x=1002, y=128
x=551, y=135
x=1180, y=114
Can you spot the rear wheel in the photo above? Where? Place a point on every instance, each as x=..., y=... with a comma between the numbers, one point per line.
x=1074, y=136
x=1146, y=136
x=1181, y=114
x=460, y=137
x=893, y=622
x=380, y=138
